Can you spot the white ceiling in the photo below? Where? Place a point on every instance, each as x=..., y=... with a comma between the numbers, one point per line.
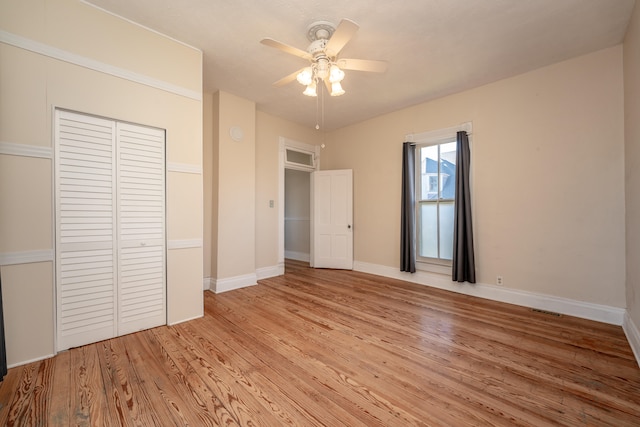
x=434, y=47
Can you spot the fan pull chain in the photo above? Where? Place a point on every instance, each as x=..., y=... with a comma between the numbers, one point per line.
x=317, y=108
x=322, y=102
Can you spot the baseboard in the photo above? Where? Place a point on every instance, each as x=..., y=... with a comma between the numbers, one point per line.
x=186, y=320
x=298, y=256
x=633, y=335
x=272, y=271
x=585, y=310
x=231, y=283
x=25, y=362
x=206, y=283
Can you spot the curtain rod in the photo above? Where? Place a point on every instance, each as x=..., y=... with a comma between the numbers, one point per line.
x=439, y=133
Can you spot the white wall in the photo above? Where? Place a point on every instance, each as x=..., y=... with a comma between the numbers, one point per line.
x=632, y=169
x=548, y=180
x=297, y=214
x=65, y=53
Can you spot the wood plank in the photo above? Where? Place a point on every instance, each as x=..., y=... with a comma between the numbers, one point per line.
x=18, y=410
x=87, y=391
x=111, y=378
x=258, y=366
x=8, y=388
x=483, y=342
x=138, y=400
x=328, y=347
x=393, y=399
x=183, y=354
x=243, y=401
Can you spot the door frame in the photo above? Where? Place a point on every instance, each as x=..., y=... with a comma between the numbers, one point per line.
x=284, y=144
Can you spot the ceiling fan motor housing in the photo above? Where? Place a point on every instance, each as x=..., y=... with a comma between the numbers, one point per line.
x=317, y=47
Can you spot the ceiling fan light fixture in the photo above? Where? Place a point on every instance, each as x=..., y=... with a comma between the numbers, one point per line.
x=335, y=74
x=311, y=89
x=321, y=68
x=336, y=89
x=305, y=77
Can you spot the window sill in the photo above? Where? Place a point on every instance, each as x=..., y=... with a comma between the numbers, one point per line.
x=432, y=267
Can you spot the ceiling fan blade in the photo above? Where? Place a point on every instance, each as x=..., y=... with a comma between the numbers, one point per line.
x=286, y=48
x=341, y=36
x=363, y=65
x=287, y=79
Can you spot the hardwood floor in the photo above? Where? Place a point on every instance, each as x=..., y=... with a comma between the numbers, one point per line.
x=325, y=347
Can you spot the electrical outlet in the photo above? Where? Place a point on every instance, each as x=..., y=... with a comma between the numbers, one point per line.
x=271, y=203
x=499, y=281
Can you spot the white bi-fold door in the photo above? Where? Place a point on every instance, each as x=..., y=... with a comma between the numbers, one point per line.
x=110, y=228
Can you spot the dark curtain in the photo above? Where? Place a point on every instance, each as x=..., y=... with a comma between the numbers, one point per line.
x=3, y=349
x=464, y=266
x=408, y=212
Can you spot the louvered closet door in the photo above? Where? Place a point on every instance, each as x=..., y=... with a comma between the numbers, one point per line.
x=110, y=228
x=141, y=224
x=85, y=229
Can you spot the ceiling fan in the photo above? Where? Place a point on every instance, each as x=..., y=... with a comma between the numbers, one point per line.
x=326, y=43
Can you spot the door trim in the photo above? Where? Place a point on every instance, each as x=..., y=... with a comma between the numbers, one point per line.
x=285, y=143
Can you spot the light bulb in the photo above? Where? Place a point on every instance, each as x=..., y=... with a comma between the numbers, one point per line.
x=336, y=89
x=335, y=74
x=305, y=77
x=311, y=89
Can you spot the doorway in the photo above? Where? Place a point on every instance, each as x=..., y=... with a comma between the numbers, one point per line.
x=296, y=162
x=297, y=214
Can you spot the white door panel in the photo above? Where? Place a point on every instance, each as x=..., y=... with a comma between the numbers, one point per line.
x=332, y=231
x=85, y=248
x=141, y=225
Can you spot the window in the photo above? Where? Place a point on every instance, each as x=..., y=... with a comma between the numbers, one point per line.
x=299, y=159
x=435, y=196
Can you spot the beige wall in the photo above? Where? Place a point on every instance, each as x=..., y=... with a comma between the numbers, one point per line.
x=269, y=130
x=548, y=178
x=235, y=186
x=632, y=164
x=64, y=53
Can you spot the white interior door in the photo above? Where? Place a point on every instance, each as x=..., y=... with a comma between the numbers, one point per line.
x=332, y=219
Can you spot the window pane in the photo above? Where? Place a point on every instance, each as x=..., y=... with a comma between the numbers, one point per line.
x=446, y=230
x=435, y=192
x=448, y=170
x=299, y=157
x=429, y=169
x=428, y=241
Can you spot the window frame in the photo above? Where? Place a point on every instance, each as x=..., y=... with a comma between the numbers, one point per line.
x=291, y=164
x=419, y=201
x=428, y=138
